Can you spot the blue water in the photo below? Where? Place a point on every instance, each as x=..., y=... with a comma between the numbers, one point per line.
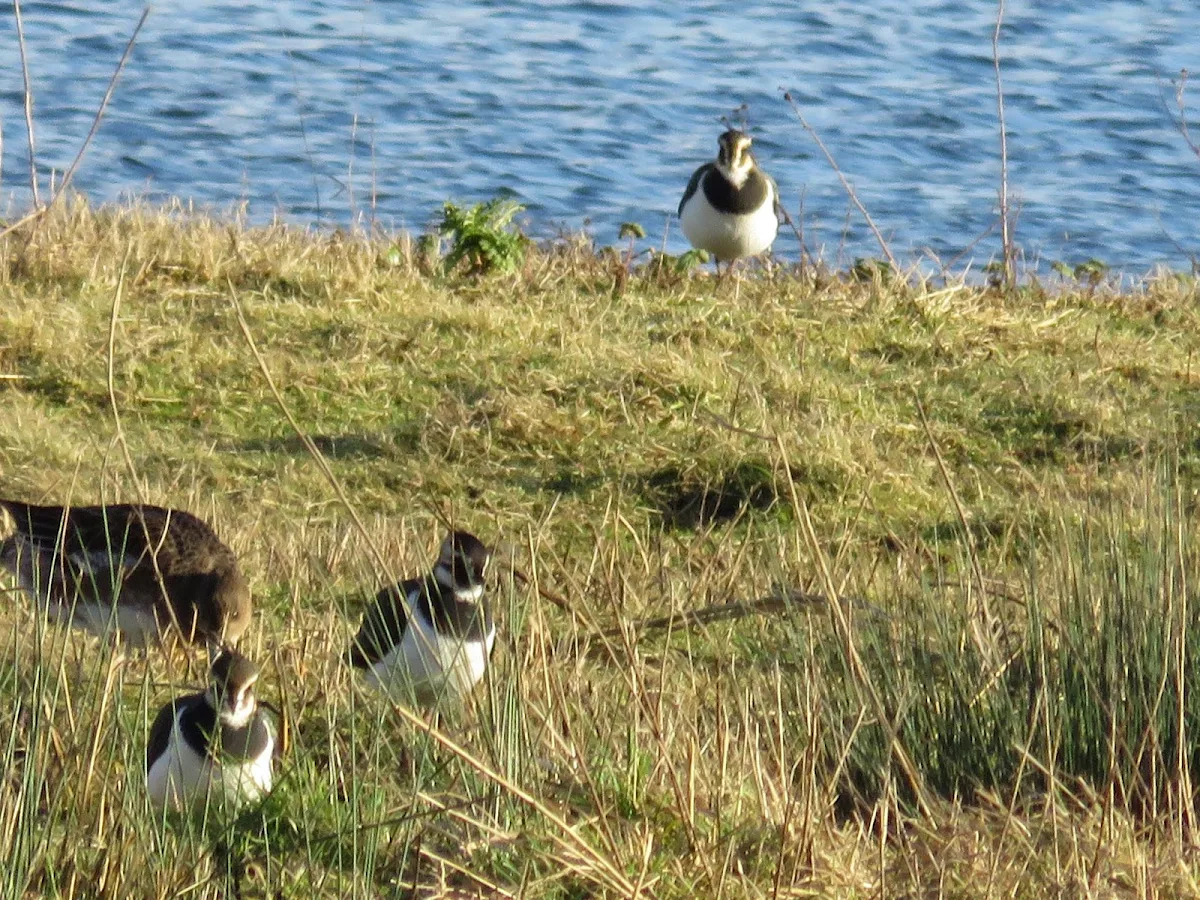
x=594, y=113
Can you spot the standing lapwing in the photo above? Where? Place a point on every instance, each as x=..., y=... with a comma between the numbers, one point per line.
x=215, y=748
x=431, y=636
x=143, y=570
x=730, y=206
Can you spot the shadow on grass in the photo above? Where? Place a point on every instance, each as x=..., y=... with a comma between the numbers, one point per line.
x=688, y=500
x=566, y=481
x=1042, y=434
x=36, y=374
x=947, y=534
x=332, y=446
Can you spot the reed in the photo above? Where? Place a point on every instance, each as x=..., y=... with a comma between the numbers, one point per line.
x=996, y=488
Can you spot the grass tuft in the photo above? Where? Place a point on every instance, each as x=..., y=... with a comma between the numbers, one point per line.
x=1001, y=487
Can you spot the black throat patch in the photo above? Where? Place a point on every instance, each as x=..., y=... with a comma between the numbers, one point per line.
x=724, y=197
x=450, y=616
x=204, y=733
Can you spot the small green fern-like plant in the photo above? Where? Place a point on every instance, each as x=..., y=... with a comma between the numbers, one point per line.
x=484, y=236
x=868, y=268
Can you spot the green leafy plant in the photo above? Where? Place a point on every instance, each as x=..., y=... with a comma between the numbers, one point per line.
x=394, y=257
x=869, y=268
x=685, y=262
x=666, y=268
x=1091, y=271
x=632, y=232
x=484, y=236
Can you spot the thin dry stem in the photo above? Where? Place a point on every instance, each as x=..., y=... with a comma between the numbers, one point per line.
x=310, y=446
x=1181, y=122
x=1006, y=236
x=28, y=90
x=108, y=93
x=112, y=390
x=567, y=836
x=984, y=640
x=862, y=678
x=39, y=210
x=845, y=183
x=805, y=257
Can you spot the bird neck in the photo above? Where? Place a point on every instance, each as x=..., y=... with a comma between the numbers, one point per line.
x=462, y=594
x=471, y=594
x=237, y=717
x=736, y=173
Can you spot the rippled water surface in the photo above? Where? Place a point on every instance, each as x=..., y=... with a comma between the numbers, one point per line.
x=595, y=113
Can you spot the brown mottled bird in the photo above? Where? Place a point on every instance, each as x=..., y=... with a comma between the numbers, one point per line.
x=146, y=571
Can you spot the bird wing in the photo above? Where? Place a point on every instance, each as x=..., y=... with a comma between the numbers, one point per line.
x=85, y=532
x=42, y=526
x=775, y=194
x=160, y=733
x=693, y=184
x=144, y=554
x=383, y=623
x=124, y=536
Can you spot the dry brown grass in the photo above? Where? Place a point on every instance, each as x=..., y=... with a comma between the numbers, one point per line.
x=590, y=421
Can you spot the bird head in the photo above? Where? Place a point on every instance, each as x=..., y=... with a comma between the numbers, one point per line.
x=231, y=687
x=734, y=154
x=462, y=565
x=232, y=607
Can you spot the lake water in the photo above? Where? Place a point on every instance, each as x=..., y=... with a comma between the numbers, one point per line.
x=595, y=113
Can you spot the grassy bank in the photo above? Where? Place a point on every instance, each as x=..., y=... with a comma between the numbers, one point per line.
x=1001, y=486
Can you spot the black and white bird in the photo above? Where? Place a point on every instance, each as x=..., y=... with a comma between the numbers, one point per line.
x=730, y=206
x=431, y=637
x=214, y=749
x=142, y=570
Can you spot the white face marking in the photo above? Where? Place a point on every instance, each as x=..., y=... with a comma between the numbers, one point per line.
x=736, y=174
x=740, y=162
x=241, y=711
x=446, y=579
x=473, y=594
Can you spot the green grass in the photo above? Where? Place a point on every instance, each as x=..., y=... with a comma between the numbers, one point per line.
x=638, y=443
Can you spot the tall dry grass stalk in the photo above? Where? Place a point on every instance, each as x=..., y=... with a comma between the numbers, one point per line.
x=743, y=655
x=38, y=209
x=1006, y=233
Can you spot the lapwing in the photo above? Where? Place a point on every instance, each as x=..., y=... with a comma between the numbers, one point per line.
x=214, y=749
x=142, y=570
x=730, y=206
x=431, y=637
